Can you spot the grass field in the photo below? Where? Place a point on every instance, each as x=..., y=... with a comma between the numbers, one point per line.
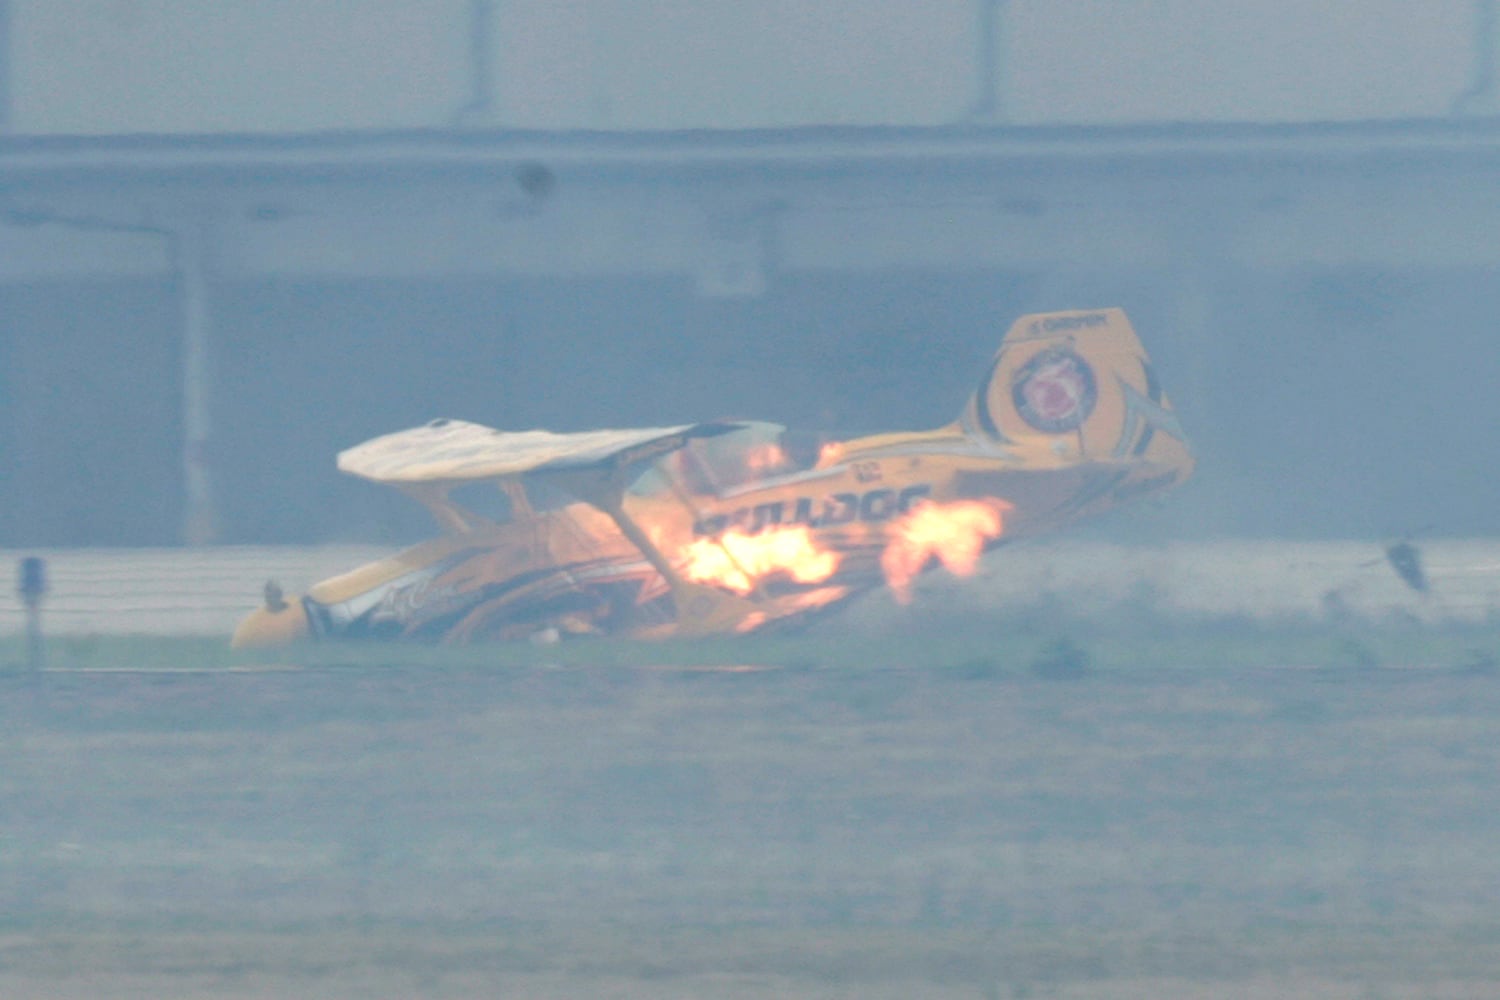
x=1027, y=809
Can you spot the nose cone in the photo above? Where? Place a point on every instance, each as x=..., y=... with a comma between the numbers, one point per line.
x=267, y=626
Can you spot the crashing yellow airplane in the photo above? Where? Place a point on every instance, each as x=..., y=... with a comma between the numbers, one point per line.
x=730, y=526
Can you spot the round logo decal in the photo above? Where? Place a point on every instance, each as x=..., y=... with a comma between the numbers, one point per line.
x=1054, y=391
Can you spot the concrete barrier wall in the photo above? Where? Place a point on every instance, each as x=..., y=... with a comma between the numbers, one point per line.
x=1259, y=580
x=83, y=66
x=205, y=591
x=166, y=591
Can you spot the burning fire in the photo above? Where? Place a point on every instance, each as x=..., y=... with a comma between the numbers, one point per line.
x=738, y=561
x=765, y=458
x=954, y=532
x=806, y=601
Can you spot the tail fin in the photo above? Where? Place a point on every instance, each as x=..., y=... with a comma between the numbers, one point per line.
x=1076, y=386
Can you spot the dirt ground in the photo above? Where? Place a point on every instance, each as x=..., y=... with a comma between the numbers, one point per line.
x=633, y=833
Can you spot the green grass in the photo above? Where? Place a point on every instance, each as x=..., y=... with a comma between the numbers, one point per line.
x=1166, y=825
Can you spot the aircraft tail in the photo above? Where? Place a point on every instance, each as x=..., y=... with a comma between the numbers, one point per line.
x=1076, y=386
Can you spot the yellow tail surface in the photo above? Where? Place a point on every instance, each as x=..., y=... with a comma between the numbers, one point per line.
x=1076, y=386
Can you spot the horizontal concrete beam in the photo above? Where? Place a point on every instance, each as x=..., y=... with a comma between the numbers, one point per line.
x=715, y=205
x=45, y=162
x=624, y=230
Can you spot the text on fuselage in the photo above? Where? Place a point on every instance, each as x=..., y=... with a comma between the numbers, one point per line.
x=839, y=508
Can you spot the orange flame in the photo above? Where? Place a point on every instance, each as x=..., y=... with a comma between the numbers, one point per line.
x=740, y=561
x=765, y=458
x=793, y=604
x=954, y=532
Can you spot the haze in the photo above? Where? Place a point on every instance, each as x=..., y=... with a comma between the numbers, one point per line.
x=1318, y=296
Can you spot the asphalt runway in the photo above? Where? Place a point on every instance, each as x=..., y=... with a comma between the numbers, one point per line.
x=785, y=832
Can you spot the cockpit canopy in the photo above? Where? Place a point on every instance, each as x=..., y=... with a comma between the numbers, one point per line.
x=716, y=466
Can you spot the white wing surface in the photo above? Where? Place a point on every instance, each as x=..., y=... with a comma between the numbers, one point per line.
x=456, y=451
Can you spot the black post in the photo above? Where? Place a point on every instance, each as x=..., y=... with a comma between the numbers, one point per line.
x=32, y=585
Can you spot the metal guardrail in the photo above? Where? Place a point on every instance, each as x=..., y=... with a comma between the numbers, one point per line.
x=206, y=591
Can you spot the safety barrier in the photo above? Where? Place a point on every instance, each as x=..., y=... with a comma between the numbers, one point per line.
x=205, y=591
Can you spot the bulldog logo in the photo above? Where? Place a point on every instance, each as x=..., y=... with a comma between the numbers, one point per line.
x=1055, y=391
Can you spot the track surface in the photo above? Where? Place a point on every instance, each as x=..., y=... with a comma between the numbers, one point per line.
x=823, y=833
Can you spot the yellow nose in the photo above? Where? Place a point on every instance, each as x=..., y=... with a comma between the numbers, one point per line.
x=267, y=627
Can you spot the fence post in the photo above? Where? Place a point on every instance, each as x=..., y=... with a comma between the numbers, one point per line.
x=32, y=585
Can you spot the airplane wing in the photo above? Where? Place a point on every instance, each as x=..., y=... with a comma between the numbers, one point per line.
x=453, y=451
x=432, y=458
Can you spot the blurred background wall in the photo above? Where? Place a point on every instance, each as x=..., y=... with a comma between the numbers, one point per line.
x=89, y=67
x=237, y=238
